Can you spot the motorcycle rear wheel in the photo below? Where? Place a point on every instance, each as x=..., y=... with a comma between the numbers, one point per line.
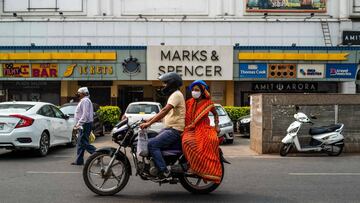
x=97, y=161
x=196, y=188
x=335, y=153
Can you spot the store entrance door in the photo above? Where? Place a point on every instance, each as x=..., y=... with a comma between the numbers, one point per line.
x=128, y=94
x=100, y=95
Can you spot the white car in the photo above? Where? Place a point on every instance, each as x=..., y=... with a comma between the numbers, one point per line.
x=225, y=124
x=144, y=110
x=34, y=125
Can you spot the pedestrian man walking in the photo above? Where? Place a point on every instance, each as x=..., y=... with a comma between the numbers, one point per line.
x=83, y=117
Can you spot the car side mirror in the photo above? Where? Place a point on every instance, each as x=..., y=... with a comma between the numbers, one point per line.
x=66, y=116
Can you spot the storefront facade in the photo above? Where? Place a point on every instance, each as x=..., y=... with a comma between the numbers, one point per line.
x=114, y=75
x=212, y=64
x=293, y=70
x=53, y=74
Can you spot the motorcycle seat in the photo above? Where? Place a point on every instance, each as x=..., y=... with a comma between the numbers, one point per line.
x=171, y=152
x=324, y=129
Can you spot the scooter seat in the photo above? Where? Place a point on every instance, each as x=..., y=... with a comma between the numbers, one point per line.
x=324, y=129
x=171, y=152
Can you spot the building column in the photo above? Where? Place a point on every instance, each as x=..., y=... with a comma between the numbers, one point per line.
x=64, y=92
x=114, y=94
x=230, y=93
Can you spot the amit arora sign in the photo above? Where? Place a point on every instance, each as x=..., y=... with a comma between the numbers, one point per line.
x=191, y=62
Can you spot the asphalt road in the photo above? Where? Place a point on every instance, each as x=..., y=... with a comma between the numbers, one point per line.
x=250, y=178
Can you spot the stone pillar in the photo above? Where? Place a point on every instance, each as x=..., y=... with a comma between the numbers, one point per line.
x=348, y=88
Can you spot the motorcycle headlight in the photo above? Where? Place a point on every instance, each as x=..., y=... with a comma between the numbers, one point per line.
x=245, y=120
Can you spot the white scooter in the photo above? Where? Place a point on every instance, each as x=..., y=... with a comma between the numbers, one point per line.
x=326, y=139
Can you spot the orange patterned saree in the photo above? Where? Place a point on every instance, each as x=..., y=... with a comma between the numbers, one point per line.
x=200, y=142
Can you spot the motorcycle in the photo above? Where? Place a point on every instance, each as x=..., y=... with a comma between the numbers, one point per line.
x=328, y=139
x=107, y=171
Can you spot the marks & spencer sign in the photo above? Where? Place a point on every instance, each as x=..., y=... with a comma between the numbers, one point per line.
x=191, y=62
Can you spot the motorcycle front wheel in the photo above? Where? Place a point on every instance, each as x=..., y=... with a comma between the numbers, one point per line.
x=285, y=149
x=100, y=182
x=197, y=185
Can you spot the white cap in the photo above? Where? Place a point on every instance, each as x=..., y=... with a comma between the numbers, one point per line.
x=83, y=90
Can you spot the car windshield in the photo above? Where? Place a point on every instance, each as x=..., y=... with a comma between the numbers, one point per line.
x=70, y=110
x=219, y=110
x=142, y=109
x=14, y=108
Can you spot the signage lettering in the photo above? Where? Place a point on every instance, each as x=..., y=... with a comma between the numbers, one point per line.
x=345, y=71
x=89, y=70
x=16, y=70
x=44, y=70
x=285, y=87
x=95, y=70
x=253, y=70
x=191, y=62
x=351, y=37
x=192, y=70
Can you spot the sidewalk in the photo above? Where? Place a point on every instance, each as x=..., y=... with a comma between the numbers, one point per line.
x=240, y=147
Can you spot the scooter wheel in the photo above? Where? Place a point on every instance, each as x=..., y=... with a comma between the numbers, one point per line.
x=335, y=150
x=285, y=148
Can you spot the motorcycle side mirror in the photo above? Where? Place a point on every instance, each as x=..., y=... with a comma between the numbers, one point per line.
x=297, y=108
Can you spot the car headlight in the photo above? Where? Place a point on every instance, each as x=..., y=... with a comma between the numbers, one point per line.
x=245, y=120
x=225, y=125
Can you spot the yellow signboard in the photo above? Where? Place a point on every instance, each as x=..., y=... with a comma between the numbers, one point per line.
x=259, y=56
x=16, y=70
x=59, y=56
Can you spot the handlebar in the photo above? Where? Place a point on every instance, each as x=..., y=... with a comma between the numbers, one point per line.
x=136, y=123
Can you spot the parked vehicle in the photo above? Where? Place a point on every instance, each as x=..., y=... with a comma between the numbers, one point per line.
x=34, y=125
x=225, y=124
x=144, y=111
x=107, y=171
x=244, y=125
x=328, y=139
x=69, y=109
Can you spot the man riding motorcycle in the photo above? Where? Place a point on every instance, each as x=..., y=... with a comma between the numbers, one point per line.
x=174, y=120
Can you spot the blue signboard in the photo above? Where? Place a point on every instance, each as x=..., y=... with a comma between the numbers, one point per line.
x=344, y=71
x=258, y=70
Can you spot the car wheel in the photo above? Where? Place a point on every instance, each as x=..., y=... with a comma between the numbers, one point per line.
x=44, y=144
x=73, y=141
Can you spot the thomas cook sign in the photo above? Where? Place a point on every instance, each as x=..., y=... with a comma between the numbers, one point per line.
x=191, y=62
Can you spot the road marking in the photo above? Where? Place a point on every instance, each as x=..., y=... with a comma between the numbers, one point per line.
x=324, y=174
x=52, y=172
